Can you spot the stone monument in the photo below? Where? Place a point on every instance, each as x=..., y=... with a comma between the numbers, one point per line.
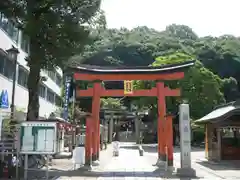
x=185, y=142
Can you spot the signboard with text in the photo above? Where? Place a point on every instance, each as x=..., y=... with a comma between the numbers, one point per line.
x=38, y=138
x=4, y=104
x=128, y=87
x=66, y=96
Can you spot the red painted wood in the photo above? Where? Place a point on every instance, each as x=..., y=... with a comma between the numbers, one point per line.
x=121, y=77
x=88, y=141
x=95, y=116
x=161, y=116
x=120, y=92
x=97, y=91
x=137, y=93
x=169, y=139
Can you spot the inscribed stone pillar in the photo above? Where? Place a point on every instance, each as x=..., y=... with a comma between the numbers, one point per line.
x=185, y=142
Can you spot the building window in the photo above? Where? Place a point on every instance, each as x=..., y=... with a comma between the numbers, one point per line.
x=42, y=91
x=9, y=28
x=58, y=79
x=52, y=75
x=2, y=62
x=22, y=76
x=25, y=43
x=50, y=96
x=58, y=100
x=8, y=69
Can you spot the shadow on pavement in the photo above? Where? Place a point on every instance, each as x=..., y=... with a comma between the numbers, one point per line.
x=158, y=173
x=153, y=148
x=129, y=147
x=223, y=165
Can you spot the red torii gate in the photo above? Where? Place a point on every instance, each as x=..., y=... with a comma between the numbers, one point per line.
x=97, y=74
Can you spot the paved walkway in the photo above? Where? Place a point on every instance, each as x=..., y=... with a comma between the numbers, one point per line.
x=204, y=170
x=105, y=158
x=129, y=165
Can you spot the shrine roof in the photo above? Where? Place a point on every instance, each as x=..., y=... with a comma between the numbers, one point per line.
x=221, y=113
x=132, y=69
x=3, y=53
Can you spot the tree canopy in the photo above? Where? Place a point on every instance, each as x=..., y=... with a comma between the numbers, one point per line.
x=200, y=87
x=212, y=81
x=56, y=30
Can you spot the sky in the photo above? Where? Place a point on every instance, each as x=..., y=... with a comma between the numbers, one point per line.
x=205, y=17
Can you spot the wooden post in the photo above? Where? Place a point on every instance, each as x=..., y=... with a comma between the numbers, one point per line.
x=88, y=142
x=169, y=138
x=206, y=141
x=95, y=115
x=161, y=117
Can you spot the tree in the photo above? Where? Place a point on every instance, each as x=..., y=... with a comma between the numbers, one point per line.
x=111, y=103
x=56, y=30
x=181, y=32
x=141, y=46
x=200, y=86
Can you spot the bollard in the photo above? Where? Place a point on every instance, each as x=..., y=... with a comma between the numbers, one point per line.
x=105, y=145
x=115, y=148
x=140, y=151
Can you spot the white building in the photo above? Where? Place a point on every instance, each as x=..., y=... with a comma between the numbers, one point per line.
x=49, y=90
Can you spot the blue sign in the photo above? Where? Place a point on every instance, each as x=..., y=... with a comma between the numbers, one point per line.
x=4, y=104
x=66, y=97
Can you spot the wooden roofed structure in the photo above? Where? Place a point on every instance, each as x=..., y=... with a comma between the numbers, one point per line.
x=222, y=132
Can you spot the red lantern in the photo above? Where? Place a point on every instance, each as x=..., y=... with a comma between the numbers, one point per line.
x=61, y=126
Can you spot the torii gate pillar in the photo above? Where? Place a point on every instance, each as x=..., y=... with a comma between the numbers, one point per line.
x=96, y=120
x=160, y=124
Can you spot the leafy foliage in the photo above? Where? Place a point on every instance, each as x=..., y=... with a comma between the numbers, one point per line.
x=111, y=103
x=200, y=86
x=213, y=80
x=56, y=30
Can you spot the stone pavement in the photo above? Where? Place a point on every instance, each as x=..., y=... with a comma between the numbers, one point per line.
x=204, y=170
x=130, y=165
x=70, y=174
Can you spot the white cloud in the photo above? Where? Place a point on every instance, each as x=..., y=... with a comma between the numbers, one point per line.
x=206, y=17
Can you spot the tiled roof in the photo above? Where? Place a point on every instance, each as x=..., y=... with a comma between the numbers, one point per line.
x=131, y=69
x=221, y=112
